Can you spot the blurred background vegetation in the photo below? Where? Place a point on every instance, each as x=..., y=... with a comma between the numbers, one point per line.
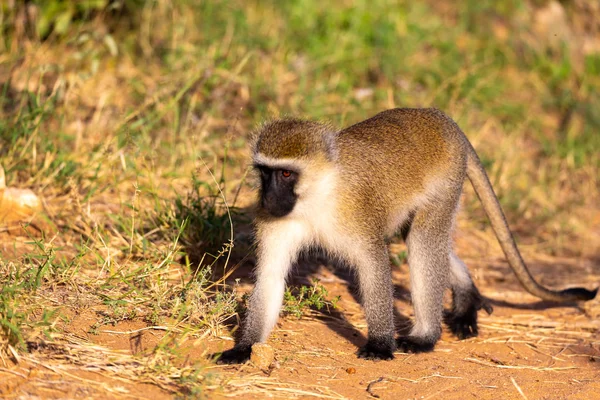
x=516, y=71
x=114, y=110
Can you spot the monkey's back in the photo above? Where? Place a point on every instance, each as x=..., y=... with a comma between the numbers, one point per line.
x=397, y=152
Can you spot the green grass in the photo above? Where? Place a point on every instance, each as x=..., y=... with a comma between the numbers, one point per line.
x=115, y=114
x=298, y=301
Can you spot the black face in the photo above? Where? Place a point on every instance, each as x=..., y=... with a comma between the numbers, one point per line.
x=277, y=195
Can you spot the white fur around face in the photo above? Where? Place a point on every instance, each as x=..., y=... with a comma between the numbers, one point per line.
x=316, y=188
x=317, y=206
x=282, y=163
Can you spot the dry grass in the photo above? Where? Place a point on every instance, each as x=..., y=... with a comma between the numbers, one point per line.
x=70, y=357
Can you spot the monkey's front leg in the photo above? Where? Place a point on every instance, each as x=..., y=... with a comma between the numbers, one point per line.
x=278, y=246
x=375, y=282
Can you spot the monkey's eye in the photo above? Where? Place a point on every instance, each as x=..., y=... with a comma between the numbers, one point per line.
x=286, y=174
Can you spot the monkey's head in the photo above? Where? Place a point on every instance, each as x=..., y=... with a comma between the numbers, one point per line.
x=285, y=152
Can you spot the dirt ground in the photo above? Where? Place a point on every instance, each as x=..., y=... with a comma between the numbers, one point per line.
x=526, y=349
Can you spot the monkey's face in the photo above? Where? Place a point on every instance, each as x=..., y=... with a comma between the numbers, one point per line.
x=277, y=196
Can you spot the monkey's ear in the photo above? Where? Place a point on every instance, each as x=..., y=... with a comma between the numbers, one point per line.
x=254, y=135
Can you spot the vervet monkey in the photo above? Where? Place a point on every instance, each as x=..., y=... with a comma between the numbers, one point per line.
x=346, y=192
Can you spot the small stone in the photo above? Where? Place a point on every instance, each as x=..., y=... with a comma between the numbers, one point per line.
x=17, y=204
x=351, y=370
x=262, y=355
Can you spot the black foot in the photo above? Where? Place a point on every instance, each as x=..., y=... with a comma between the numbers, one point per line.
x=412, y=344
x=462, y=319
x=237, y=355
x=462, y=326
x=377, y=350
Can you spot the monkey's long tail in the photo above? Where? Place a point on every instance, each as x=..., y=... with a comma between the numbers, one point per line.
x=485, y=192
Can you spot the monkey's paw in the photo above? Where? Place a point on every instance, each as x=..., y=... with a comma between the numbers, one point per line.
x=377, y=350
x=413, y=344
x=462, y=326
x=237, y=355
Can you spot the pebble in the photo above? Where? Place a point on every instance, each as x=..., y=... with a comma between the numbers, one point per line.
x=262, y=355
x=17, y=204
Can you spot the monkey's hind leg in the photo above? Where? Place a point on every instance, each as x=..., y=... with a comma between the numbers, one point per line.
x=375, y=282
x=428, y=243
x=466, y=301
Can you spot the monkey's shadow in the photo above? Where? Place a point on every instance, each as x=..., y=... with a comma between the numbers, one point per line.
x=306, y=269
x=503, y=269
x=309, y=266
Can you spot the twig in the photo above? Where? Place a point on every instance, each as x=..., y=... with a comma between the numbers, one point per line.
x=370, y=385
x=476, y=361
x=518, y=388
x=157, y=328
x=567, y=327
x=13, y=372
x=534, y=348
